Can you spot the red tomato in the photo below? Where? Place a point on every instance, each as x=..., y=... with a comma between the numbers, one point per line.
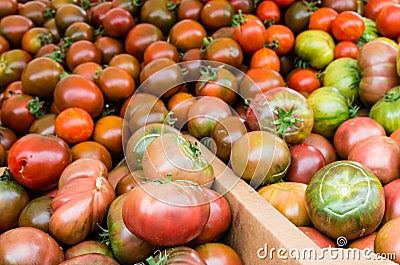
x=179, y=212
x=323, y=145
x=346, y=49
x=37, y=161
x=372, y=7
x=280, y=38
x=392, y=200
x=74, y=125
x=117, y=22
x=218, y=254
x=388, y=21
x=108, y=132
x=269, y=12
x=306, y=160
x=348, y=25
x=322, y=19
x=303, y=80
x=161, y=49
x=249, y=33
x=82, y=51
x=283, y=3
x=265, y=57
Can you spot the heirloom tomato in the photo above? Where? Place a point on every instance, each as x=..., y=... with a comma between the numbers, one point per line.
x=36, y=213
x=177, y=255
x=187, y=34
x=386, y=240
x=348, y=25
x=388, y=21
x=89, y=246
x=322, y=19
x=218, y=254
x=280, y=38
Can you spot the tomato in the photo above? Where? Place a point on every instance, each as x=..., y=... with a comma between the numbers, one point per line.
x=159, y=13
x=36, y=213
x=27, y=158
x=363, y=243
x=224, y=50
x=18, y=113
x=13, y=27
x=217, y=82
x=7, y=138
x=88, y=247
x=78, y=207
x=184, y=205
x=353, y=131
x=394, y=135
x=97, y=13
x=322, y=19
x=92, y=149
x=388, y=22
x=188, y=164
x=126, y=247
x=44, y=124
x=260, y=157
x=127, y=62
x=12, y=63
x=330, y=109
x=140, y=36
x=315, y=47
x=68, y=13
x=187, y=34
x=348, y=25
x=265, y=57
x=189, y=9
x=79, y=31
x=268, y=11
x=280, y=38
x=216, y=14
x=204, y=114
x=92, y=258
x=4, y=45
x=176, y=255
x=34, y=10
x=219, y=220
x=161, y=77
x=249, y=33
x=259, y=80
x=128, y=182
x=146, y=114
x=346, y=49
x=288, y=114
x=9, y=7
x=293, y=196
x=74, y=125
x=346, y=199
x=76, y=91
x=284, y=3
x=161, y=49
x=320, y=239
x=29, y=245
x=341, y=6
x=139, y=141
x=40, y=77
x=391, y=200
x=304, y=80
x=306, y=160
x=179, y=105
x=13, y=197
x=379, y=72
x=372, y=8
x=88, y=70
x=385, y=110
x=386, y=240
x=109, y=47
x=381, y=154
x=115, y=83
x=117, y=22
x=218, y=254
x=82, y=51
x=108, y=132
x=297, y=15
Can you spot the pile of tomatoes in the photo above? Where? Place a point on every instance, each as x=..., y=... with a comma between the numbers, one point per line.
x=108, y=107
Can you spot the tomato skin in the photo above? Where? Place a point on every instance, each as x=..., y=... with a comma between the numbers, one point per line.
x=12, y=63
x=108, y=132
x=322, y=19
x=388, y=22
x=189, y=9
x=303, y=80
x=224, y=50
x=27, y=160
x=109, y=47
x=92, y=149
x=348, y=25
x=36, y=213
x=280, y=38
x=88, y=247
x=269, y=12
x=386, y=239
x=218, y=254
x=161, y=49
x=68, y=13
x=117, y=22
x=353, y=131
x=92, y=258
x=187, y=34
x=297, y=16
x=82, y=51
x=265, y=57
x=9, y=7
x=74, y=125
x=364, y=242
x=13, y=198
x=372, y=8
x=250, y=35
x=187, y=212
x=13, y=27
x=39, y=247
x=126, y=247
x=216, y=14
x=306, y=160
x=346, y=49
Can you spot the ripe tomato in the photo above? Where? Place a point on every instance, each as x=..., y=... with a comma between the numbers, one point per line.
x=179, y=105
x=283, y=3
x=322, y=19
x=388, y=21
x=249, y=33
x=161, y=49
x=218, y=254
x=304, y=80
x=74, y=125
x=348, y=25
x=108, y=132
x=187, y=34
x=9, y=7
x=36, y=213
x=265, y=57
x=32, y=153
x=189, y=9
x=224, y=50
x=82, y=51
x=129, y=63
x=88, y=70
x=34, y=10
x=13, y=27
x=109, y=47
x=289, y=199
x=117, y=22
x=268, y=11
x=12, y=63
x=79, y=31
x=94, y=150
x=68, y=13
x=372, y=7
x=115, y=83
x=216, y=14
x=347, y=49
x=280, y=38
x=184, y=205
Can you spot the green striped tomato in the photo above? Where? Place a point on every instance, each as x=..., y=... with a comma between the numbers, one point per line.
x=386, y=111
x=330, y=108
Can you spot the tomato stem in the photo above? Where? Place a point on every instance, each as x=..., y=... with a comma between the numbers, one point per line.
x=392, y=96
x=48, y=13
x=238, y=19
x=36, y=108
x=285, y=121
x=209, y=73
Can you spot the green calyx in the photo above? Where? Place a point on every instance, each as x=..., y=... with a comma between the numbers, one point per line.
x=239, y=19
x=285, y=121
x=36, y=107
x=209, y=73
